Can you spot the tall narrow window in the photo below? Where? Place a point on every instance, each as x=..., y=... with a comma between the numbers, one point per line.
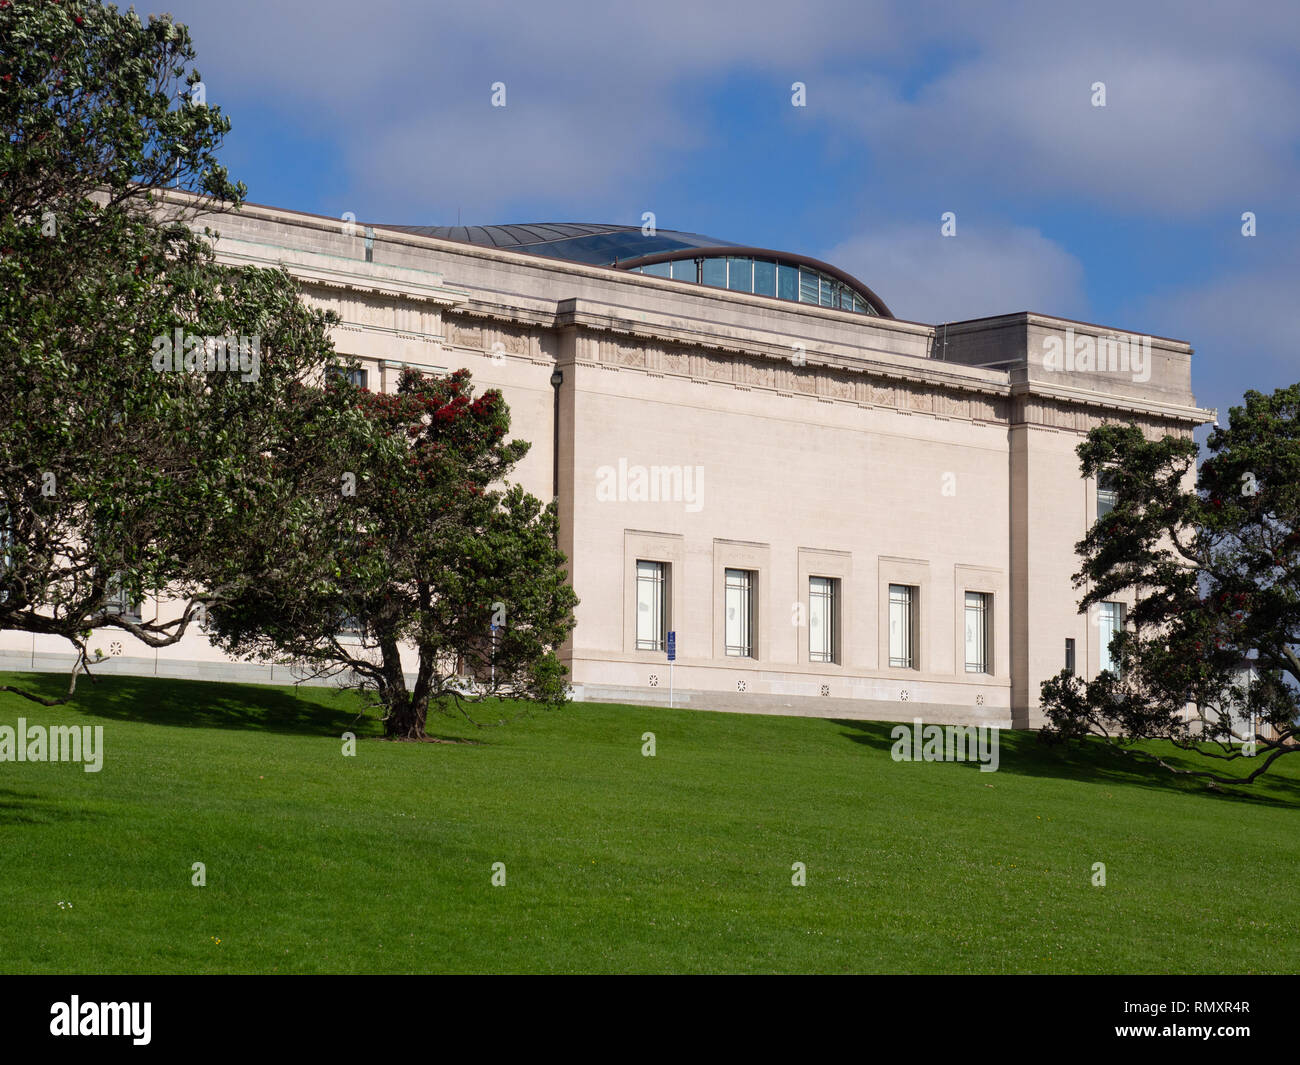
x=119, y=601
x=809, y=286
x=1112, y=622
x=358, y=376
x=1069, y=655
x=740, y=274
x=1107, y=497
x=740, y=613
x=902, y=626
x=787, y=282
x=823, y=619
x=651, y=605
x=979, y=611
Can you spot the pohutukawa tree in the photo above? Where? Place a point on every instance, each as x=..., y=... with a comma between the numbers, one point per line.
x=428, y=547
x=123, y=472
x=1214, y=570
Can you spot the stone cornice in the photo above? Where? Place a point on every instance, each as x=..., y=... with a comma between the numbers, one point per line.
x=1053, y=322
x=874, y=362
x=663, y=329
x=1077, y=397
x=954, y=392
x=320, y=271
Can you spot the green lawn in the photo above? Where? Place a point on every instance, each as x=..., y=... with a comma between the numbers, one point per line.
x=615, y=862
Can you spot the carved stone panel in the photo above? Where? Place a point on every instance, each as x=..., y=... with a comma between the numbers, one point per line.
x=464, y=335
x=920, y=398
x=675, y=361
x=630, y=355
x=515, y=341
x=954, y=405
x=839, y=388
x=759, y=374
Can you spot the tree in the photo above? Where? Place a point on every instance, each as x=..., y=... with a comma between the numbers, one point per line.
x=1215, y=573
x=122, y=469
x=423, y=551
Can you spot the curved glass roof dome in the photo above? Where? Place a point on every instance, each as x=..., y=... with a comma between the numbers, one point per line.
x=679, y=256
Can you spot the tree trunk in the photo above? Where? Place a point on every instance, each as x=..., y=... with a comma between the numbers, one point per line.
x=404, y=716
x=405, y=720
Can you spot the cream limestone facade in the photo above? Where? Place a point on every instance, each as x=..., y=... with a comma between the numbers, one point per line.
x=800, y=468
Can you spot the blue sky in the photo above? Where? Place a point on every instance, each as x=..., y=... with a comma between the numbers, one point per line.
x=1128, y=214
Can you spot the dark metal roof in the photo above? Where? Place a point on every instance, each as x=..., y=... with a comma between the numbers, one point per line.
x=621, y=246
x=596, y=245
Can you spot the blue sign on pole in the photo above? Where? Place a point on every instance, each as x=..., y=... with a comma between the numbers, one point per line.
x=672, y=647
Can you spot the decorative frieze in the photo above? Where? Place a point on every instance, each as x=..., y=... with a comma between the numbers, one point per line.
x=1047, y=412
x=759, y=374
x=955, y=405
x=703, y=365
x=513, y=341
x=465, y=335
x=675, y=361
x=630, y=355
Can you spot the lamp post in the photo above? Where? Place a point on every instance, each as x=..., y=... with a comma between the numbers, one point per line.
x=557, y=379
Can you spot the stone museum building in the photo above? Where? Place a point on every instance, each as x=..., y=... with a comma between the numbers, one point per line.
x=837, y=512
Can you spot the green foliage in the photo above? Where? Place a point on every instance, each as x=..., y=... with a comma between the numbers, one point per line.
x=114, y=471
x=91, y=102
x=125, y=469
x=431, y=550
x=1212, y=561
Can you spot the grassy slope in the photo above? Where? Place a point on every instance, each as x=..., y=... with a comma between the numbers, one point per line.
x=615, y=862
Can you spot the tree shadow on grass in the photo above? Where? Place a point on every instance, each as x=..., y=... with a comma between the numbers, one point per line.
x=197, y=704
x=1024, y=753
x=28, y=808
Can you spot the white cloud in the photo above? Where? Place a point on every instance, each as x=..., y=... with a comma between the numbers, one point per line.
x=1254, y=312
x=1203, y=99
x=926, y=277
x=1179, y=133
x=599, y=96
x=577, y=154
x=1243, y=328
